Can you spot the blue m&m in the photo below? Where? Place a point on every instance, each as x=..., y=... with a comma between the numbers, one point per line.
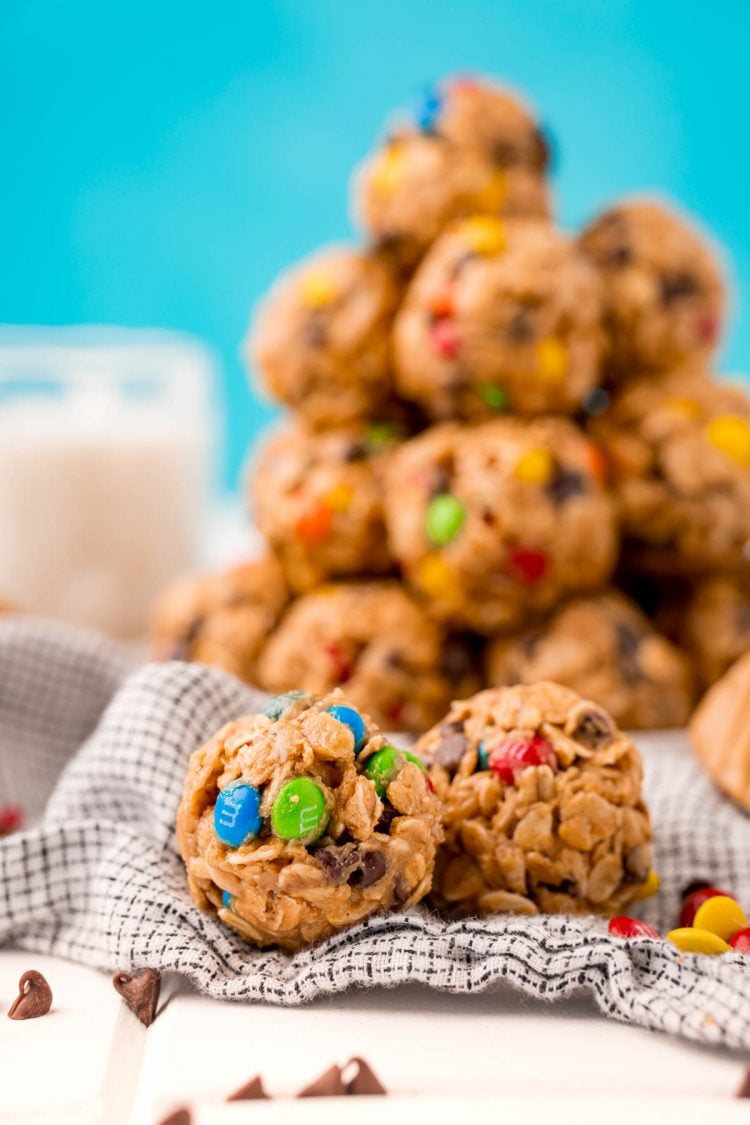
x=237, y=816
x=353, y=720
x=226, y=900
x=428, y=110
x=278, y=704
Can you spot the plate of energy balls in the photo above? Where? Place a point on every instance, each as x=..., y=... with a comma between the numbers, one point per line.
x=507, y=514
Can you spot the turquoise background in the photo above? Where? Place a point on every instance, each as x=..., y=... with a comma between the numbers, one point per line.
x=162, y=161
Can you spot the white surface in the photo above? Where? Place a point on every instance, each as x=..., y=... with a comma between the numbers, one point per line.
x=90, y=1061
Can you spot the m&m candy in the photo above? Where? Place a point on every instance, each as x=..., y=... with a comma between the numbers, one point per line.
x=517, y=753
x=731, y=434
x=720, y=915
x=740, y=942
x=624, y=927
x=527, y=565
x=314, y=522
x=695, y=899
x=444, y=519
x=535, y=466
x=353, y=720
x=383, y=767
x=428, y=110
x=485, y=233
x=552, y=360
x=650, y=885
x=495, y=397
x=692, y=940
x=445, y=338
x=483, y=757
x=237, y=818
x=275, y=707
x=299, y=811
x=317, y=289
x=226, y=900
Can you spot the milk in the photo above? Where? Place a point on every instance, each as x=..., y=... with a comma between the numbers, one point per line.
x=105, y=444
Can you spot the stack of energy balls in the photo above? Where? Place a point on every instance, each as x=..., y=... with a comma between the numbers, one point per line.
x=508, y=459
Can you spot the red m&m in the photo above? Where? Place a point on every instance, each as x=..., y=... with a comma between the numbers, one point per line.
x=517, y=752
x=696, y=899
x=624, y=927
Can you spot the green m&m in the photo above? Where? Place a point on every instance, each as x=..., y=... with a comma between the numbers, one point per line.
x=385, y=765
x=495, y=397
x=299, y=811
x=444, y=518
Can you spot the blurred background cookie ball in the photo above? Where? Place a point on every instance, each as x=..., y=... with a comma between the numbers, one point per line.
x=302, y=820
x=542, y=805
x=221, y=619
x=665, y=294
x=715, y=624
x=317, y=499
x=374, y=640
x=467, y=148
x=679, y=454
x=604, y=648
x=321, y=339
x=494, y=522
x=500, y=317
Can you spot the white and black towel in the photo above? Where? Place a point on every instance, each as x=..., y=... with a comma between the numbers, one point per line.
x=95, y=750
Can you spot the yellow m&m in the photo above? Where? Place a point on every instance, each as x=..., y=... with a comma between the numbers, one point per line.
x=436, y=577
x=485, y=234
x=339, y=498
x=317, y=289
x=692, y=940
x=731, y=434
x=493, y=194
x=552, y=360
x=389, y=169
x=720, y=915
x=535, y=466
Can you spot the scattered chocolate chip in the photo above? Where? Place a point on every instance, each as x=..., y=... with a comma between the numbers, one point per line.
x=315, y=330
x=521, y=328
x=34, y=997
x=451, y=747
x=441, y=481
x=674, y=286
x=337, y=862
x=565, y=484
x=488, y=517
x=252, y=1091
x=596, y=401
x=593, y=729
x=180, y=1116
x=505, y=154
x=617, y=256
x=140, y=992
x=394, y=659
x=744, y=1087
x=370, y=868
x=329, y=1085
x=387, y=817
x=364, y=1081
x=355, y=451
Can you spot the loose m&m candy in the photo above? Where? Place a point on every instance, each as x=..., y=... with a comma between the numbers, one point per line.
x=299, y=811
x=237, y=818
x=691, y=940
x=623, y=927
x=721, y=915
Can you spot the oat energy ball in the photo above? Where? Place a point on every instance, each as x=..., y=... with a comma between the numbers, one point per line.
x=221, y=619
x=542, y=805
x=715, y=627
x=470, y=148
x=606, y=649
x=493, y=522
x=299, y=821
x=321, y=340
x=665, y=295
x=318, y=501
x=500, y=316
x=679, y=452
x=374, y=640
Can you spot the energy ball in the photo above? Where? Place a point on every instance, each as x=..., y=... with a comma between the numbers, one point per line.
x=470, y=148
x=494, y=522
x=679, y=453
x=302, y=820
x=221, y=619
x=715, y=627
x=321, y=340
x=372, y=638
x=318, y=501
x=665, y=296
x=500, y=316
x=542, y=805
x=606, y=649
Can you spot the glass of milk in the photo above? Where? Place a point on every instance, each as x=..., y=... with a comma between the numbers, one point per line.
x=106, y=441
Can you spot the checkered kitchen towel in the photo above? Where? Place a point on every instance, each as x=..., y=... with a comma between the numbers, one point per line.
x=96, y=750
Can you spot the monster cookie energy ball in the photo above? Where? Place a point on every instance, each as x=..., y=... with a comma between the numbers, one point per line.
x=603, y=647
x=317, y=499
x=221, y=619
x=679, y=452
x=471, y=148
x=542, y=805
x=665, y=296
x=500, y=316
x=321, y=340
x=715, y=624
x=498, y=521
x=377, y=642
x=299, y=821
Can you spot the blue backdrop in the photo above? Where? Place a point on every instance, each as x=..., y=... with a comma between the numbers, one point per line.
x=161, y=162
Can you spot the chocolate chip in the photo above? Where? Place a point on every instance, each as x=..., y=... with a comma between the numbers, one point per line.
x=596, y=401
x=593, y=729
x=675, y=286
x=564, y=887
x=387, y=817
x=370, y=868
x=364, y=1081
x=394, y=659
x=252, y=1091
x=140, y=992
x=521, y=328
x=180, y=1116
x=337, y=862
x=441, y=481
x=451, y=747
x=329, y=1085
x=355, y=451
x=34, y=997
x=506, y=154
x=744, y=1087
x=617, y=256
x=565, y=484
